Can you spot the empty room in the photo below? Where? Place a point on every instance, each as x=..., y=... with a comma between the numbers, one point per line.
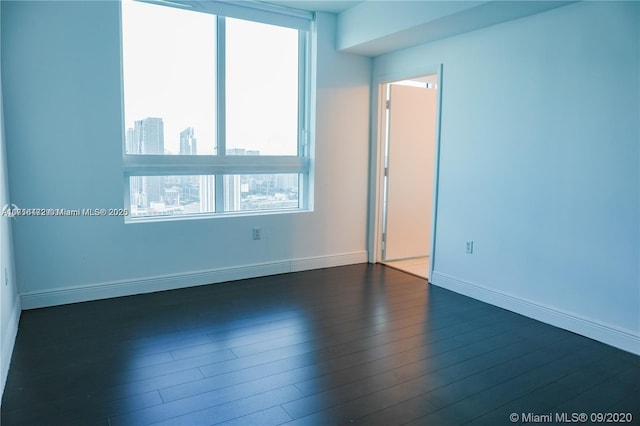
x=319, y=212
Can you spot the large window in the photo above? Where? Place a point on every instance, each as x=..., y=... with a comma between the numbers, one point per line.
x=215, y=109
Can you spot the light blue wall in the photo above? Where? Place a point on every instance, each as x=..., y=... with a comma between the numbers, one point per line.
x=539, y=163
x=61, y=70
x=374, y=28
x=9, y=301
x=372, y=22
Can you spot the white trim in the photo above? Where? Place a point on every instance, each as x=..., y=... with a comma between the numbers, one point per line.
x=376, y=185
x=610, y=334
x=167, y=165
x=106, y=290
x=436, y=175
x=8, y=343
x=376, y=160
x=245, y=9
x=259, y=12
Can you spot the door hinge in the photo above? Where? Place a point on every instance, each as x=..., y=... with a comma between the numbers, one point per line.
x=386, y=172
x=388, y=104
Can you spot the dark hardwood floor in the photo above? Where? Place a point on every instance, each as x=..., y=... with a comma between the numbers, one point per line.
x=362, y=344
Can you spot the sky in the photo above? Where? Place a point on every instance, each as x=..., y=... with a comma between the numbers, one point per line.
x=169, y=71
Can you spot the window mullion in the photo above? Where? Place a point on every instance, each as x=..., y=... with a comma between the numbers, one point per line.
x=304, y=120
x=302, y=127
x=221, y=141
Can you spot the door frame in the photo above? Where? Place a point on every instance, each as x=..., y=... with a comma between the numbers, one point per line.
x=376, y=184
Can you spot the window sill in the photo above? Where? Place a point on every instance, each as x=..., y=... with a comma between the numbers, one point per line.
x=213, y=216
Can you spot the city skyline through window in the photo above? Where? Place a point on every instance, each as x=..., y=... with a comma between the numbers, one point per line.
x=152, y=196
x=169, y=72
x=172, y=72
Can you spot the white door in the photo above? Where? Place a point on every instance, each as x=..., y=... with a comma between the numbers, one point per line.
x=411, y=151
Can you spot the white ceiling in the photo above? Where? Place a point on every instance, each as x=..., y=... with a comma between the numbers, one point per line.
x=375, y=27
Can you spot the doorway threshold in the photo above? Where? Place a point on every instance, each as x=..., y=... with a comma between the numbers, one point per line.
x=418, y=266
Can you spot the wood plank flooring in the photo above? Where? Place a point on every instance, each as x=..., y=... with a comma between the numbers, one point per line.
x=363, y=344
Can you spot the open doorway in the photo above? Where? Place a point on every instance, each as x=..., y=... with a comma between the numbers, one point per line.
x=409, y=135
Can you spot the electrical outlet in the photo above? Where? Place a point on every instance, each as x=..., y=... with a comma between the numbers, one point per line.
x=469, y=249
x=257, y=233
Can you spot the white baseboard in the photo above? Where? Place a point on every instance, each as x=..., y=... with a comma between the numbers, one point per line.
x=606, y=333
x=106, y=290
x=8, y=343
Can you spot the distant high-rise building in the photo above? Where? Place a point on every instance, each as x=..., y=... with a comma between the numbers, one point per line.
x=287, y=182
x=150, y=132
x=233, y=184
x=236, y=186
x=148, y=138
x=188, y=144
x=133, y=145
x=235, y=151
x=242, y=151
x=207, y=191
x=232, y=195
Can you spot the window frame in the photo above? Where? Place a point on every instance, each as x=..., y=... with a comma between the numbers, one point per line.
x=222, y=164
